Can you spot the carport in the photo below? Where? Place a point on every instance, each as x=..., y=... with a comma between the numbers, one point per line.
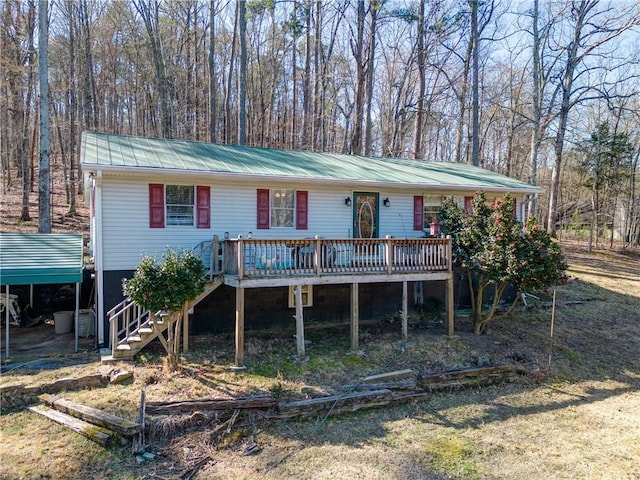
x=40, y=258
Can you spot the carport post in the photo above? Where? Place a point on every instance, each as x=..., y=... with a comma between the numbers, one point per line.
x=6, y=332
x=77, y=313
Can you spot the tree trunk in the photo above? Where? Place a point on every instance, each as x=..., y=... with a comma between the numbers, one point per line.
x=227, y=100
x=418, y=150
x=536, y=97
x=357, y=49
x=306, y=81
x=242, y=78
x=475, y=98
x=72, y=109
x=478, y=324
x=149, y=14
x=212, y=73
x=44, y=181
x=368, y=134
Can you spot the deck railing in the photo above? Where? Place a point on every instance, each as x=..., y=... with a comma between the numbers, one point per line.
x=124, y=319
x=319, y=256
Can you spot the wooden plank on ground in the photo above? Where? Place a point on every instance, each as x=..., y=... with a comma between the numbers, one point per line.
x=336, y=403
x=158, y=408
x=92, y=415
x=385, y=377
x=465, y=376
x=400, y=385
x=99, y=435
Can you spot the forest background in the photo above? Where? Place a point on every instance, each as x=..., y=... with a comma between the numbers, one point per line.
x=545, y=92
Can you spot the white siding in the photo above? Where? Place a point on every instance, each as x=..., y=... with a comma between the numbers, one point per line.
x=397, y=219
x=125, y=217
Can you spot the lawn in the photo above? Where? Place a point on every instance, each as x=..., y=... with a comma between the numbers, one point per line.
x=573, y=415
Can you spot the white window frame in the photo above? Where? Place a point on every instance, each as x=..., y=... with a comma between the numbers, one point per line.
x=173, y=219
x=278, y=211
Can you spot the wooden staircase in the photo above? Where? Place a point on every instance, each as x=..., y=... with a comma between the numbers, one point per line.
x=132, y=327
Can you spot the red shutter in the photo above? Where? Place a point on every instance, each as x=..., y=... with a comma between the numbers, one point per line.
x=156, y=205
x=468, y=206
x=302, y=209
x=203, y=206
x=418, y=212
x=263, y=208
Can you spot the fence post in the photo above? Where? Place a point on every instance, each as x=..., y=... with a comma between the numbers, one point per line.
x=389, y=255
x=318, y=256
x=240, y=257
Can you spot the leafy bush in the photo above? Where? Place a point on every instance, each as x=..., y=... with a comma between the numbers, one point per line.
x=497, y=250
x=167, y=285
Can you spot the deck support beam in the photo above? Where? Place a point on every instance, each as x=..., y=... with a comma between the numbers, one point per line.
x=405, y=312
x=354, y=316
x=239, y=327
x=297, y=294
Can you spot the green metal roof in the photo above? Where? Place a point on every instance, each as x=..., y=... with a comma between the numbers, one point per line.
x=118, y=152
x=37, y=258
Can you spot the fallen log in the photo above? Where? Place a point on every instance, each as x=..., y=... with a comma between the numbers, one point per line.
x=91, y=415
x=258, y=403
x=99, y=435
x=359, y=387
x=466, y=376
x=334, y=404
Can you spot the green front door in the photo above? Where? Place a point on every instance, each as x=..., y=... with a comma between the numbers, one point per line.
x=365, y=215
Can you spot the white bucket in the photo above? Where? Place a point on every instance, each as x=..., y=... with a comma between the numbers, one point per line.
x=63, y=321
x=86, y=326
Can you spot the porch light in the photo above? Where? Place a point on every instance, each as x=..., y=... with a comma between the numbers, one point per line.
x=386, y=202
x=250, y=235
x=347, y=201
x=226, y=235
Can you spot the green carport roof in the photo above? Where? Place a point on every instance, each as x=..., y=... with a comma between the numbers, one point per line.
x=38, y=258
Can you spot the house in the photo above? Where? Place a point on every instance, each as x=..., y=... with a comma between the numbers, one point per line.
x=342, y=236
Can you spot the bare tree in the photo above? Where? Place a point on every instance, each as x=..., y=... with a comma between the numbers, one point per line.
x=592, y=28
x=18, y=83
x=242, y=76
x=212, y=73
x=44, y=180
x=148, y=10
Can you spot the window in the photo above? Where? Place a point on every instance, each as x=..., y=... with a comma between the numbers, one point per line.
x=426, y=211
x=179, y=202
x=282, y=208
x=179, y=205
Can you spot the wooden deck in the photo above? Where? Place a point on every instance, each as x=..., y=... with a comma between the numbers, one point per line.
x=261, y=263
x=252, y=263
x=256, y=263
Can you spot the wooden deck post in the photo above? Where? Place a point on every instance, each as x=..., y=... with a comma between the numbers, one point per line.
x=405, y=312
x=450, y=307
x=239, y=326
x=297, y=294
x=354, y=316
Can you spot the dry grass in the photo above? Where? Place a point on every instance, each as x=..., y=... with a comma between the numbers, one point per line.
x=580, y=421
